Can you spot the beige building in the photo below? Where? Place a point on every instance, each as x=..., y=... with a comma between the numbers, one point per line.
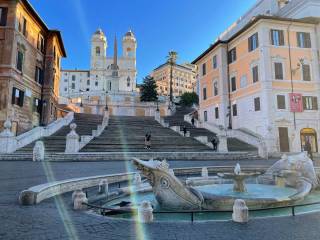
x=262, y=77
x=183, y=79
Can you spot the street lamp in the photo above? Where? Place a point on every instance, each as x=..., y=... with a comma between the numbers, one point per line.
x=172, y=58
x=106, y=107
x=44, y=104
x=157, y=106
x=81, y=95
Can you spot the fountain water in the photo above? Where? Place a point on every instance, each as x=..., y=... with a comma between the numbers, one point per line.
x=238, y=178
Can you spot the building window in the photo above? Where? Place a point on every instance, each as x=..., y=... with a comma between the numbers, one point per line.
x=22, y=26
x=204, y=69
x=73, y=77
x=233, y=84
x=88, y=82
x=277, y=37
x=232, y=55
x=128, y=82
x=54, y=53
x=65, y=89
x=304, y=40
x=310, y=103
x=214, y=62
x=204, y=92
x=234, y=110
x=281, y=102
x=20, y=59
x=96, y=84
x=17, y=97
x=216, y=112
x=253, y=42
x=36, y=105
x=40, y=43
x=3, y=16
x=215, y=88
x=306, y=72
x=257, y=106
x=205, y=115
x=73, y=86
x=98, y=51
x=278, y=71
x=255, y=74
x=39, y=75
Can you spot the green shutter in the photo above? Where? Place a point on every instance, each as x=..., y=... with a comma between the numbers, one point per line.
x=281, y=37
x=306, y=72
x=304, y=100
x=314, y=103
x=307, y=39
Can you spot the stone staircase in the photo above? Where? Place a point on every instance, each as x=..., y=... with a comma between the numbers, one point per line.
x=234, y=145
x=126, y=134
x=57, y=142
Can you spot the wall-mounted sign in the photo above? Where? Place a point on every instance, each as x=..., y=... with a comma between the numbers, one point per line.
x=296, y=102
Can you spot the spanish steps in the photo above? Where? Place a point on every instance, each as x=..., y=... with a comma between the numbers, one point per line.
x=178, y=120
x=57, y=142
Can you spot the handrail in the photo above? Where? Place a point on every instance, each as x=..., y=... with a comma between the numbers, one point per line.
x=192, y=212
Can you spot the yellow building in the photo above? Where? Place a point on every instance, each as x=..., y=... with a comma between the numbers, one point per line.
x=183, y=79
x=264, y=79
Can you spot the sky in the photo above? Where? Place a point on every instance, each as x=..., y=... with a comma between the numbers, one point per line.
x=185, y=26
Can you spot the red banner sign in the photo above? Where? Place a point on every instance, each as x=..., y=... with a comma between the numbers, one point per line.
x=296, y=104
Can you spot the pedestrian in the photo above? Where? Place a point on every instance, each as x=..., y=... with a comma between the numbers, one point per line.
x=308, y=149
x=214, y=143
x=147, y=141
x=192, y=120
x=184, y=129
x=217, y=143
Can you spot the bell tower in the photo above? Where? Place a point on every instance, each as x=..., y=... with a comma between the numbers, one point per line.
x=129, y=45
x=98, y=50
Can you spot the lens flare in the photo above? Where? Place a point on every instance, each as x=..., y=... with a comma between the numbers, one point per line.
x=60, y=204
x=140, y=231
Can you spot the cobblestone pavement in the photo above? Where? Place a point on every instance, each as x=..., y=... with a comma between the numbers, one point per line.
x=55, y=219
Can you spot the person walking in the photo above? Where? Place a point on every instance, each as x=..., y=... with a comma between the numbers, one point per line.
x=214, y=143
x=308, y=149
x=192, y=120
x=184, y=129
x=147, y=141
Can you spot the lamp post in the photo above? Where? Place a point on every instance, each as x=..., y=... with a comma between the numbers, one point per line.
x=172, y=58
x=157, y=105
x=106, y=107
x=44, y=104
x=81, y=95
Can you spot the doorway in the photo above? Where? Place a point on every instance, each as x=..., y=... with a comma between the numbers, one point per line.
x=284, y=139
x=309, y=135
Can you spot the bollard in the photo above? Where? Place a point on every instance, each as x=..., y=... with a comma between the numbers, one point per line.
x=103, y=187
x=204, y=172
x=240, y=211
x=38, y=151
x=79, y=199
x=145, y=212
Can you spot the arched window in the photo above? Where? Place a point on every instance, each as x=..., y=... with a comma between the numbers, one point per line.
x=98, y=51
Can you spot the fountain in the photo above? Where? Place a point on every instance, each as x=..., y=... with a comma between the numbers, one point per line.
x=238, y=178
x=296, y=171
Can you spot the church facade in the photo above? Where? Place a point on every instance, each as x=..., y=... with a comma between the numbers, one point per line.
x=107, y=75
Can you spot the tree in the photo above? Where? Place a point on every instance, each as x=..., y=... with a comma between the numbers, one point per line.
x=189, y=98
x=148, y=90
